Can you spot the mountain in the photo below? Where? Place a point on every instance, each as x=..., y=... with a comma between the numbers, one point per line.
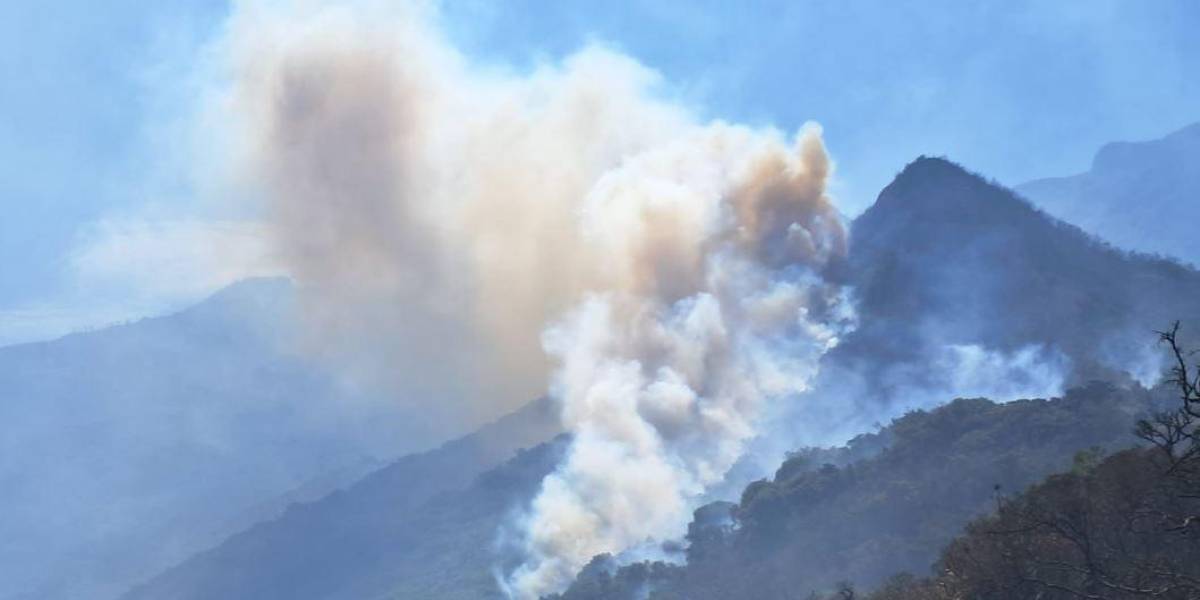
x=961, y=285
x=130, y=447
x=425, y=526
x=1142, y=196
x=1119, y=527
x=830, y=516
x=965, y=289
x=127, y=449
x=862, y=511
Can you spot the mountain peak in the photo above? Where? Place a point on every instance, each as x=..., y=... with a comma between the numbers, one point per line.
x=1189, y=132
x=931, y=177
x=935, y=189
x=925, y=165
x=257, y=303
x=1117, y=156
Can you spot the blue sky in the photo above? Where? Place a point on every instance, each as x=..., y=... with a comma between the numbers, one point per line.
x=1016, y=90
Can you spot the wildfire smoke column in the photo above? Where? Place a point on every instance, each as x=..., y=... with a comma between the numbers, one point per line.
x=713, y=302
x=471, y=236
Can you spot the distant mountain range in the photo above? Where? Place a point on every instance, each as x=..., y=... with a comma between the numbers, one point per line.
x=1142, y=196
x=425, y=526
x=128, y=449
x=961, y=285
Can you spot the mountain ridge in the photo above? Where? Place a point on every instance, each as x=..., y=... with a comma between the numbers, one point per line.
x=944, y=259
x=821, y=519
x=979, y=263
x=1136, y=195
x=131, y=447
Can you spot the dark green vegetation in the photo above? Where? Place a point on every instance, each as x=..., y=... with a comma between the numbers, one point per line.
x=1124, y=527
x=1114, y=526
x=813, y=525
x=1117, y=529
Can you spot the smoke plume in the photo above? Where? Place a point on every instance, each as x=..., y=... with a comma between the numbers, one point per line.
x=713, y=304
x=484, y=235
x=428, y=209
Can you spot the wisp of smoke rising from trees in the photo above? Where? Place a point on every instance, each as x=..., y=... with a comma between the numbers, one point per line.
x=483, y=235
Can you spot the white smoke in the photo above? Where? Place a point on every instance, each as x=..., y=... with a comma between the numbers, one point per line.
x=974, y=371
x=715, y=305
x=845, y=402
x=454, y=222
x=428, y=208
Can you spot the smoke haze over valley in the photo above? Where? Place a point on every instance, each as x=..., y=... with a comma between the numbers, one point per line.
x=398, y=305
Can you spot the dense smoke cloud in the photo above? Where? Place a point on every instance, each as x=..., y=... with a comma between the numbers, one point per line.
x=428, y=209
x=716, y=245
x=471, y=236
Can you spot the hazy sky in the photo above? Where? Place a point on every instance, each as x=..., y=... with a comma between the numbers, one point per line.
x=1016, y=90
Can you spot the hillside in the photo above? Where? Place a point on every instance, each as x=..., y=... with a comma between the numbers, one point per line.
x=817, y=522
x=944, y=260
x=129, y=448
x=862, y=520
x=945, y=256
x=1143, y=196
x=414, y=529
x=964, y=288
x=1119, y=527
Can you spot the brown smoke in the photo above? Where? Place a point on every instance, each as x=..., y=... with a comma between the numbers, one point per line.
x=470, y=239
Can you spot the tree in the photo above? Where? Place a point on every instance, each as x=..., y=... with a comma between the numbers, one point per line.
x=1174, y=431
x=1124, y=527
